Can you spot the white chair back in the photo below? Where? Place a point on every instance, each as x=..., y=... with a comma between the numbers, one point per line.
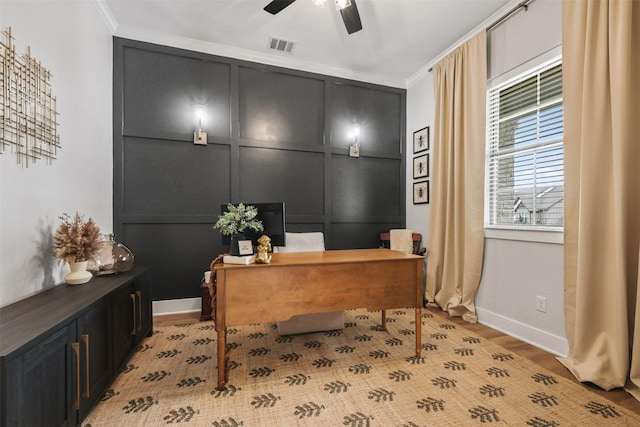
x=401, y=239
x=302, y=242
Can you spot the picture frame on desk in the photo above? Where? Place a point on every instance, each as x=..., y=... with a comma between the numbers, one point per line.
x=421, y=192
x=421, y=140
x=245, y=247
x=421, y=166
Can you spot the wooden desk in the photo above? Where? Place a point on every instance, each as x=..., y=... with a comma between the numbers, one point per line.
x=313, y=282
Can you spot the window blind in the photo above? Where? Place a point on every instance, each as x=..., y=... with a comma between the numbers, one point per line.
x=525, y=155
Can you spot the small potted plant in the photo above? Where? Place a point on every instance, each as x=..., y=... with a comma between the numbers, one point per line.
x=235, y=221
x=77, y=241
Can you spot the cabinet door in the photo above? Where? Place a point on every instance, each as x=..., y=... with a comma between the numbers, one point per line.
x=124, y=324
x=45, y=392
x=96, y=366
x=144, y=322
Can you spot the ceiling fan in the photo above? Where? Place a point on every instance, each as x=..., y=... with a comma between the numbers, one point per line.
x=348, y=10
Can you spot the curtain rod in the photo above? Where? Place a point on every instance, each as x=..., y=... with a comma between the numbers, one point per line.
x=522, y=5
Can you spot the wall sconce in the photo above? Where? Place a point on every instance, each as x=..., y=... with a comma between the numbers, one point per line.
x=354, y=150
x=341, y=4
x=200, y=136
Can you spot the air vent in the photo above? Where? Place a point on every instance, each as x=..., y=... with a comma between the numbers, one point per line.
x=281, y=45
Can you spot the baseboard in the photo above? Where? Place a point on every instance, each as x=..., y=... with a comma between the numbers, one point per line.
x=554, y=344
x=175, y=306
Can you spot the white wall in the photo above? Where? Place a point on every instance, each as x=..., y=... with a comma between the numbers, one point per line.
x=69, y=38
x=517, y=269
x=420, y=113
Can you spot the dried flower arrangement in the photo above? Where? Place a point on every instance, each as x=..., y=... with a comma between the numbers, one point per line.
x=76, y=240
x=237, y=219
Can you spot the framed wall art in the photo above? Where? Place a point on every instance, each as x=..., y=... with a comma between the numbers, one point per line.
x=421, y=166
x=420, y=192
x=29, y=122
x=421, y=140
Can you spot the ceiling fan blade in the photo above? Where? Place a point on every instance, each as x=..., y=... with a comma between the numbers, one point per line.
x=277, y=5
x=351, y=18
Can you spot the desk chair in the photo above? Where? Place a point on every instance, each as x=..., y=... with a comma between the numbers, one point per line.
x=305, y=323
x=416, y=239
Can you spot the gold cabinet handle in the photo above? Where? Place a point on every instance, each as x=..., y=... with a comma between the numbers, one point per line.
x=133, y=297
x=76, y=349
x=85, y=340
x=139, y=295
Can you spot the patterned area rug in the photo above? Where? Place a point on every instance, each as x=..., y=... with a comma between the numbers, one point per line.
x=360, y=376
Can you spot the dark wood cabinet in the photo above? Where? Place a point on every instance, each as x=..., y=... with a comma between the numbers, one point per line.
x=61, y=348
x=132, y=317
x=96, y=365
x=41, y=382
x=124, y=336
x=144, y=320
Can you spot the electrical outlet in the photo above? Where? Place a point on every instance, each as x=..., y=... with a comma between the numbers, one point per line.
x=541, y=304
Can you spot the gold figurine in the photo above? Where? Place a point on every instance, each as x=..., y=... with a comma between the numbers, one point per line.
x=264, y=247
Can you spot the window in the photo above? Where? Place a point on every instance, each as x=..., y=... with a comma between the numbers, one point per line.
x=525, y=154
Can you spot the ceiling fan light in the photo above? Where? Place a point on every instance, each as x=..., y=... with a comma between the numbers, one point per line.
x=341, y=4
x=319, y=3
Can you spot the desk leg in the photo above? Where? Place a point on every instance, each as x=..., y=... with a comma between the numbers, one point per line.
x=418, y=331
x=222, y=362
x=384, y=320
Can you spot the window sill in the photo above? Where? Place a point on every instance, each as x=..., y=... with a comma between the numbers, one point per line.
x=528, y=234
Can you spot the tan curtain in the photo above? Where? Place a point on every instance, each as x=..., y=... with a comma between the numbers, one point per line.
x=633, y=384
x=601, y=72
x=456, y=226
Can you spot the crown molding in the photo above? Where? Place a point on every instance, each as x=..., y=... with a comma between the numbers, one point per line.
x=251, y=56
x=236, y=53
x=106, y=15
x=424, y=71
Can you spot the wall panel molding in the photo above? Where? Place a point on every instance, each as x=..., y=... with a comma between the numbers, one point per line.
x=274, y=134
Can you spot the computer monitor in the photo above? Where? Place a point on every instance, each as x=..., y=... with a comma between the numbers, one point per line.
x=272, y=216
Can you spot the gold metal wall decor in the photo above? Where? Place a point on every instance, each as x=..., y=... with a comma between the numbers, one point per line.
x=28, y=116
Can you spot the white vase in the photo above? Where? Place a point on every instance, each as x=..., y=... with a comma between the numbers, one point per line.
x=79, y=273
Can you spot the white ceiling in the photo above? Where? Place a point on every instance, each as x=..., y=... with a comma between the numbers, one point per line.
x=399, y=37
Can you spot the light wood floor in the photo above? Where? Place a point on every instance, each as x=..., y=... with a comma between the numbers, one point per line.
x=536, y=355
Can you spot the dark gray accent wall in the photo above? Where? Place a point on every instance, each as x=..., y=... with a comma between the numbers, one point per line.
x=274, y=134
